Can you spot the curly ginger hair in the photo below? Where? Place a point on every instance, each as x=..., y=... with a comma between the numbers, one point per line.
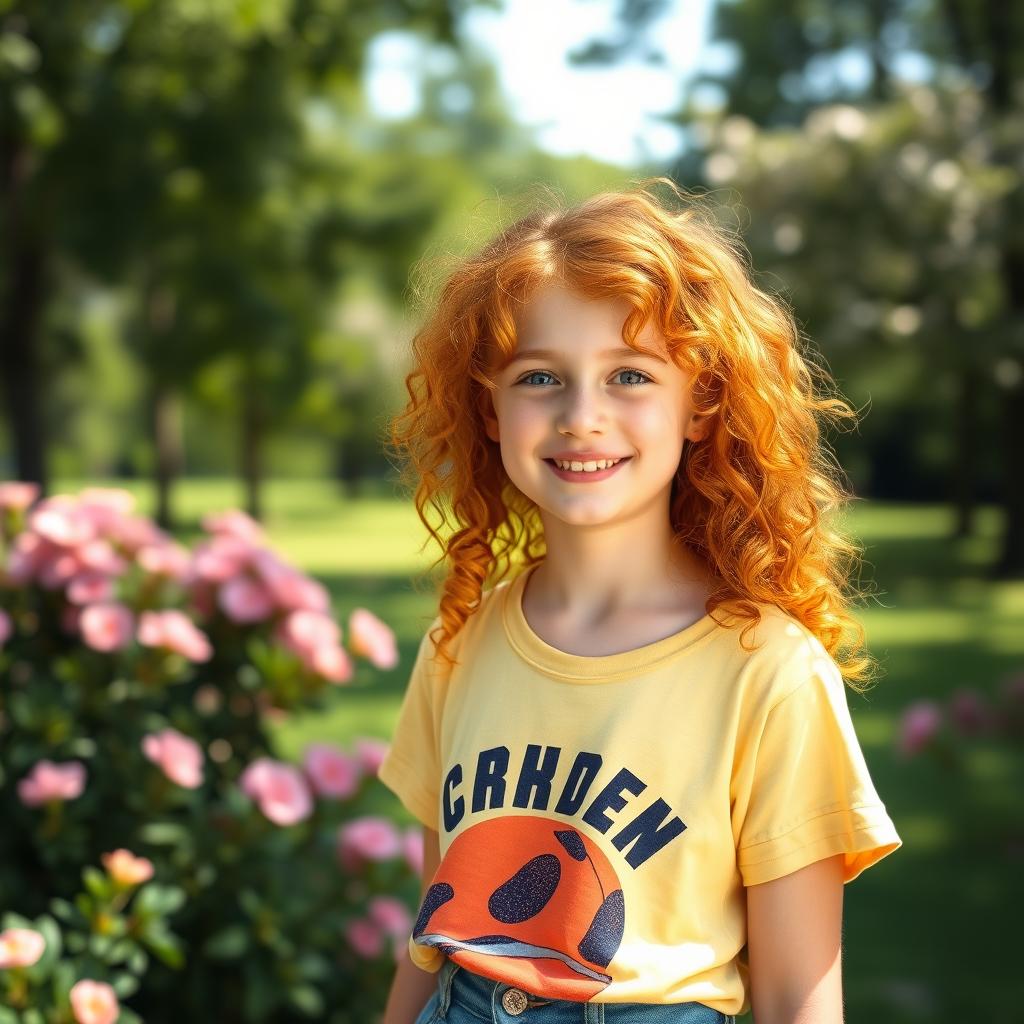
x=753, y=498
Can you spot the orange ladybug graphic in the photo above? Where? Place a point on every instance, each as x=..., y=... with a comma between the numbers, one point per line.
x=529, y=901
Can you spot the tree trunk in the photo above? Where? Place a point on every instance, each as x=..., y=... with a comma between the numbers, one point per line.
x=19, y=323
x=169, y=446
x=253, y=428
x=167, y=427
x=965, y=441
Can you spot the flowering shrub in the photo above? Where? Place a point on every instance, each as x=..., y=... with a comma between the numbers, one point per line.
x=950, y=733
x=136, y=680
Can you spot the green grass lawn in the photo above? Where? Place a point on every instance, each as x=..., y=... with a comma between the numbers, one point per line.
x=928, y=923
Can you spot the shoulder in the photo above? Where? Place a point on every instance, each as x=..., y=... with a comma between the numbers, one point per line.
x=472, y=629
x=779, y=655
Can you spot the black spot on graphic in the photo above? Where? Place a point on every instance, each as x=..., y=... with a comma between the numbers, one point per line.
x=447, y=948
x=573, y=844
x=527, y=892
x=437, y=896
x=490, y=940
x=604, y=935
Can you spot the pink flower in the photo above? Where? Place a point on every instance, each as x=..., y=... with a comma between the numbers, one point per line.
x=106, y=627
x=332, y=772
x=392, y=915
x=178, y=756
x=918, y=726
x=242, y=599
x=173, y=630
x=365, y=937
x=370, y=752
x=6, y=627
x=331, y=662
x=94, y=1002
x=368, y=838
x=62, y=521
x=15, y=494
x=56, y=570
x=305, y=631
x=90, y=587
x=126, y=869
x=20, y=947
x=279, y=790
x=27, y=552
x=970, y=713
x=99, y=556
x=235, y=523
x=49, y=781
x=370, y=638
x=290, y=588
x=412, y=848
x=172, y=560
x=221, y=558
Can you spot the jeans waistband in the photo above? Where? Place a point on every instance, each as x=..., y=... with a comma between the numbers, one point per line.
x=483, y=998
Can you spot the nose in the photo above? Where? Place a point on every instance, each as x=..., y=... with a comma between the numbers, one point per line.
x=583, y=411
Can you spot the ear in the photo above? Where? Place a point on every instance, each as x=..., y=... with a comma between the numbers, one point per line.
x=699, y=426
x=486, y=407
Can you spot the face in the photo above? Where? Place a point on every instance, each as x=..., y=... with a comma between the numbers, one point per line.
x=574, y=386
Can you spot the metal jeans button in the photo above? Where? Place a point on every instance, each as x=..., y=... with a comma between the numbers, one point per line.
x=514, y=1001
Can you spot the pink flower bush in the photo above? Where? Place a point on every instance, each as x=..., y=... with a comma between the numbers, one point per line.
x=392, y=915
x=49, y=781
x=369, y=838
x=365, y=937
x=918, y=726
x=371, y=638
x=126, y=869
x=17, y=495
x=332, y=772
x=94, y=1002
x=371, y=753
x=178, y=756
x=412, y=848
x=315, y=638
x=279, y=790
x=174, y=631
x=970, y=713
x=20, y=947
x=6, y=627
x=244, y=600
x=106, y=627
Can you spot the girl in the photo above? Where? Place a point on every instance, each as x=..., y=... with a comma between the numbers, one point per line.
x=633, y=758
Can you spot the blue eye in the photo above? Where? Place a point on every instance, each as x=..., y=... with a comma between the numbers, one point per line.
x=545, y=373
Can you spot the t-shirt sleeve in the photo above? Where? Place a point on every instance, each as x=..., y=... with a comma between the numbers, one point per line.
x=411, y=767
x=804, y=791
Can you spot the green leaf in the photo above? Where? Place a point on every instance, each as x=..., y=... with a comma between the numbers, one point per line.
x=164, y=833
x=125, y=984
x=156, y=900
x=97, y=883
x=228, y=943
x=307, y=999
x=165, y=945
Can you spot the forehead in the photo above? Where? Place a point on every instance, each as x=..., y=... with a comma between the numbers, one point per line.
x=556, y=318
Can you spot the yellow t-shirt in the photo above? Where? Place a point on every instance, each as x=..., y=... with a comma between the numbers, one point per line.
x=599, y=817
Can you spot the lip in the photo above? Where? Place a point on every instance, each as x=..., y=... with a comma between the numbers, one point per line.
x=582, y=476
x=584, y=456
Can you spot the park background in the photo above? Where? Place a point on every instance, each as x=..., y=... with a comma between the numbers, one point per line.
x=221, y=222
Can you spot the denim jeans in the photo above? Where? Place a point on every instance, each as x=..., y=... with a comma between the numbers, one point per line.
x=463, y=997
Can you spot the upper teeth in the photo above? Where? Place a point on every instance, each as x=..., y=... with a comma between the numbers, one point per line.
x=586, y=467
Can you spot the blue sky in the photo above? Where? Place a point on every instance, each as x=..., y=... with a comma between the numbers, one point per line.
x=602, y=112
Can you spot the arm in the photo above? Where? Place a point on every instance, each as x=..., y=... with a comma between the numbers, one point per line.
x=794, y=926
x=412, y=987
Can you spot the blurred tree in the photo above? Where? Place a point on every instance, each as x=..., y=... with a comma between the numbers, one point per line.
x=794, y=56
x=166, y=145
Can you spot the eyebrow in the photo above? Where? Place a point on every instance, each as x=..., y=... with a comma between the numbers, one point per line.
x=543, y=353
